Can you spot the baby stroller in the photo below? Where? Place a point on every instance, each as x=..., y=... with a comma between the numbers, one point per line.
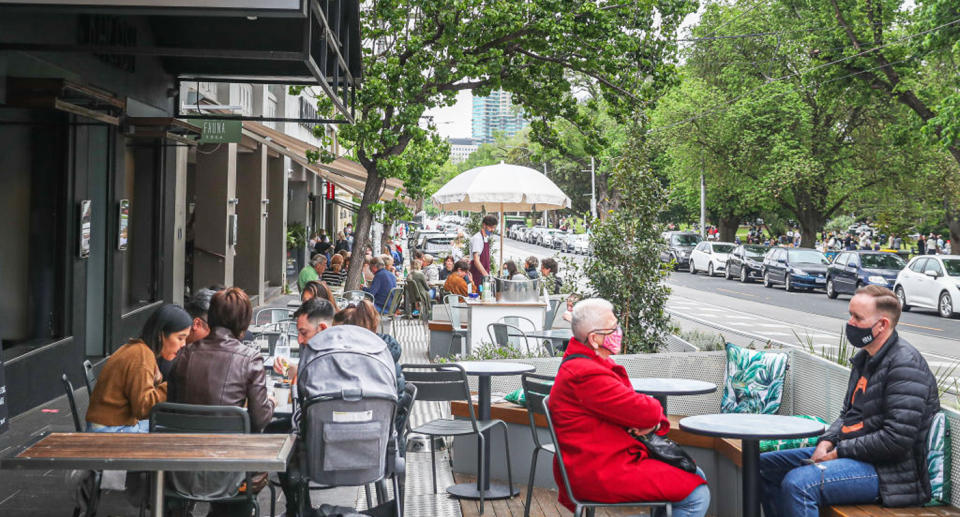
x=347, y=390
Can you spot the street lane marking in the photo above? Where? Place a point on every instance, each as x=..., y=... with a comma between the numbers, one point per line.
x=735, y=292
x=920, y=326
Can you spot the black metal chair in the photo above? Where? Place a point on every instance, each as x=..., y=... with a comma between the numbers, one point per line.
x=390, y=307
x=591, y=506
x=94, y=500
x=535, y=389
x=454, y=305
x=169, y=417
x=90, y=376
x=448, y=383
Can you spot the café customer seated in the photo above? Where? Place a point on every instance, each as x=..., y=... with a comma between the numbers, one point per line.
x=596, y=414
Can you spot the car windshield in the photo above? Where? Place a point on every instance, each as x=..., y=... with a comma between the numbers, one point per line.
x=881, y=261
x=807, y=256
x=685, y=240
x=754, y=251
x=722, y=248
x=953, y=266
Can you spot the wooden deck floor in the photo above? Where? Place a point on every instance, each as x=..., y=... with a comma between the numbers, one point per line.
x=544, y=504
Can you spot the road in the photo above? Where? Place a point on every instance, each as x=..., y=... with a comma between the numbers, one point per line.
x=755, y=313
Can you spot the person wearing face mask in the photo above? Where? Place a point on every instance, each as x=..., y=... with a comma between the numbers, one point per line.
x=596, y=415
x=876, y=449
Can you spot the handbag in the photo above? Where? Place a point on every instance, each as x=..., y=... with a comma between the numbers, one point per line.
x=667, y=451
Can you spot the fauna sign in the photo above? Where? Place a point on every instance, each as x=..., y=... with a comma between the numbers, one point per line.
x=220, y=131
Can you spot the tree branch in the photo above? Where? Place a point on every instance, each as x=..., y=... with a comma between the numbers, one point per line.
x=566, y=64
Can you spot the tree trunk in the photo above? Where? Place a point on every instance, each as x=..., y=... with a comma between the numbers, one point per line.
x=809, y=226
x=361, y=234
x=953, y=223
x=728, y=228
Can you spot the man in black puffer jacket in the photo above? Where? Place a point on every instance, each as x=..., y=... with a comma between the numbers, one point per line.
x=876, y=450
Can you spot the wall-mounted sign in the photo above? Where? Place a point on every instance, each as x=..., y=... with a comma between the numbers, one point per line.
x=331, y=191
x=86, y=211
x=123, y=235
x=232, y=230
x=4, y=424
x=220, y=131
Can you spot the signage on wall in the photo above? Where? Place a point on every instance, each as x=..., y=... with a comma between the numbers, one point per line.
x=86, y=209
x=331, y=190
x=220, y=131
x=4, y=424
x=123, y=235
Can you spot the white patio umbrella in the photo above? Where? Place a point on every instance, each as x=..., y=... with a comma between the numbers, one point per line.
x=501, y=187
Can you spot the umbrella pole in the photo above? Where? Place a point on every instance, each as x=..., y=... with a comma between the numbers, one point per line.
x=502, y=226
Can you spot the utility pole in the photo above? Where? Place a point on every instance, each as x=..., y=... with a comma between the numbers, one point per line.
x=593, y=189
x=703, y=207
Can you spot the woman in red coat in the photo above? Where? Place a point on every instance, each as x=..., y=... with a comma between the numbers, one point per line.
x=595, y=411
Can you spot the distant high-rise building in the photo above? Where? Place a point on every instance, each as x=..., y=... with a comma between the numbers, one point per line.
x=461, y=148
x=494, y=114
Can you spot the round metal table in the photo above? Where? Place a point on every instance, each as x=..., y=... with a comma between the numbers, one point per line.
x=750, y=429
x=660, y=388
x=484, y=370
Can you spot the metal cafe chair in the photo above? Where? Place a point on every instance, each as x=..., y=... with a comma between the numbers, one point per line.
x=589, y=507
x=447, y=383
x=535, y=389
x=453, y=304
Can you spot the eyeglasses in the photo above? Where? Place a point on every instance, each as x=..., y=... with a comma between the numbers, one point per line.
x=604, y=332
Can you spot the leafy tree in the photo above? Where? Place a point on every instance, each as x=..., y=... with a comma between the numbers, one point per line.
x=417, y=55
x=625, y=267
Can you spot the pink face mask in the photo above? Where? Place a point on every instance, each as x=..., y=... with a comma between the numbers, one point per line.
x=613, y=341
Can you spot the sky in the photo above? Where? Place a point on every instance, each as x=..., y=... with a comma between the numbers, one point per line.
x=455, y=121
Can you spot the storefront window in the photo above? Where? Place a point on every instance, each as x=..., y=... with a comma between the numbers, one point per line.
x=139, y=227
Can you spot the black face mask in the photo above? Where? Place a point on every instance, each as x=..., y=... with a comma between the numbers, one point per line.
x=858, y=336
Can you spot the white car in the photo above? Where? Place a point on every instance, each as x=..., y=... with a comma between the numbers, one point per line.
x=710, y=257
x=931, y=282
x=581, y=244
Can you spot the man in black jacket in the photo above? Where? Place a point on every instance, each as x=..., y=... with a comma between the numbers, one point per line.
x=876, y=450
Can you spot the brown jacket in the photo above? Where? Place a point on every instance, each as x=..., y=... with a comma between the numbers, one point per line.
x=221, y=371
x=125, y=391
x=455, y=284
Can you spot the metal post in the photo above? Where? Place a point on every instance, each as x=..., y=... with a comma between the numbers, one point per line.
x=593, y=189
x=703, y=207
x=750, y=478
x=545, y=212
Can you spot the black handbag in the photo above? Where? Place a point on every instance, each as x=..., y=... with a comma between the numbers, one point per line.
x=667, y=451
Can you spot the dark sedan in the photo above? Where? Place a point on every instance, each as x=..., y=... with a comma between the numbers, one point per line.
x=679, y=247
x=795, y=268
x=851, y=270
x=746, y=262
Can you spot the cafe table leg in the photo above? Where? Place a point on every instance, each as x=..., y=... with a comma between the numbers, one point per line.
x=750, y=456
x=158, y=493
x=662, y=399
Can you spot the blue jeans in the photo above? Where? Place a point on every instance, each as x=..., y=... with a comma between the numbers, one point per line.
x=790, y=487
x=142, y=426
x=695, y=504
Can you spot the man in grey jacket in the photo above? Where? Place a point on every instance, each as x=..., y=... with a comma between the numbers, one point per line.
x=876, y=450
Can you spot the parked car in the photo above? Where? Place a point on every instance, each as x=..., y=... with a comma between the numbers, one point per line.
x=795, y=268
x=746, y=262
x=710, y=257
x=532, y=236
x=581, y=244
x=851, y=270
x=679, y=246
x=930, y=282
x=545, y=238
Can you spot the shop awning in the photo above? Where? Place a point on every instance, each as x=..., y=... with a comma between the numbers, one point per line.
x=343, y=172
x=182, y=131
x=64, y=95
x=312, y=42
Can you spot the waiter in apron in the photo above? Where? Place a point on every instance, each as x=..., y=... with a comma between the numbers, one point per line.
x=480, y=250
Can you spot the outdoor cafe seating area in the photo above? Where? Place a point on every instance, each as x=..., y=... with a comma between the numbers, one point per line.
x=511, y=463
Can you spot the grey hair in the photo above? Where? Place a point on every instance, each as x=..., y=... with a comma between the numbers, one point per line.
x=588, y=316
x=318, y=258
x=377, y=262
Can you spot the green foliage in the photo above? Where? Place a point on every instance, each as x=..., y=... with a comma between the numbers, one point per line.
x=625, y=267
x=839, y=223
x=296, y=235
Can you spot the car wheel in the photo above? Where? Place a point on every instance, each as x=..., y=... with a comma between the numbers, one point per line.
x=710, y=269
x=726, y=273
x=744, y=277
x=902, y=296
x=787, y=285
x=945, y=306
x=831, y=289
x=766, y=280
x=693, y=268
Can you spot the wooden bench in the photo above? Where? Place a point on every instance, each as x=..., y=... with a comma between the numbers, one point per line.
x=728, y=448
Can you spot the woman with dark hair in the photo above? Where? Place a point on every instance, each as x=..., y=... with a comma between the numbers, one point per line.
x=318, y=290
x=447, y=268
x=131, y=381
x=511, y=272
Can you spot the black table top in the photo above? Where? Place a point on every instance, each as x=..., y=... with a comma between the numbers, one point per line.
x=671, y=386
x=751, y=427
x=495, y=368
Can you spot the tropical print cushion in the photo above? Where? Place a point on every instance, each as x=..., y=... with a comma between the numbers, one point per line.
x=754, y=381
x=938, y=459
x=793, y=443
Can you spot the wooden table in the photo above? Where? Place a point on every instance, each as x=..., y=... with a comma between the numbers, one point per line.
x=157, y=452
